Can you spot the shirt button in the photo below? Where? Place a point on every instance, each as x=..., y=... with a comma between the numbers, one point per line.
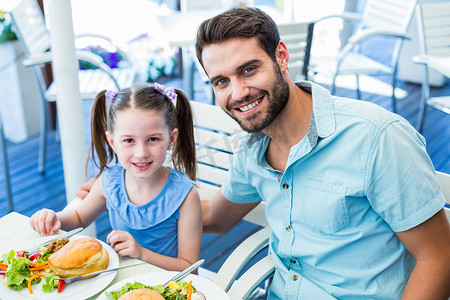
x=288, y=228
x=285, y=186
x=295, y=277
x=293, y=261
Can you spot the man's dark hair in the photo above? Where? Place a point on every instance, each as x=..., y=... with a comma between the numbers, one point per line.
x=245, y=22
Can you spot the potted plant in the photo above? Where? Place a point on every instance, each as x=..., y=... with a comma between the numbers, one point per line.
x=6, y=33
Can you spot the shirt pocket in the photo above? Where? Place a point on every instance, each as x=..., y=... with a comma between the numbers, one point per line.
x=325, y=207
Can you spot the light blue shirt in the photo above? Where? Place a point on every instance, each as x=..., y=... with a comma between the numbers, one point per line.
x=153, y=225
x=360, y=175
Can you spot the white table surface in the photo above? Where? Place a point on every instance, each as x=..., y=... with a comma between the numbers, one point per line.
x=15, y=230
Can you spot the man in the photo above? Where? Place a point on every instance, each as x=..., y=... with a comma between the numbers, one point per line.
x=352, y=197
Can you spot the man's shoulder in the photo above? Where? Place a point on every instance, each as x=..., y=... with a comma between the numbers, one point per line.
x=352, y=110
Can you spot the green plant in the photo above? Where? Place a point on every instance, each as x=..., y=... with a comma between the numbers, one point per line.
x=6, y=33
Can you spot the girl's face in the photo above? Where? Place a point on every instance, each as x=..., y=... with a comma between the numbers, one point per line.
x=141, y=140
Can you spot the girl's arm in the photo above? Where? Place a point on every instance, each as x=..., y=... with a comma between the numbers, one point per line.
x=189, y=237
x=87, y=212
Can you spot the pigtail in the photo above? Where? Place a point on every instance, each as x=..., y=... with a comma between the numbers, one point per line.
x=183, y=153
x=100, y=151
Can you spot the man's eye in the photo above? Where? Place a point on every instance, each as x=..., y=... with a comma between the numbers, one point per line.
x=221, y=81
x=248, y=70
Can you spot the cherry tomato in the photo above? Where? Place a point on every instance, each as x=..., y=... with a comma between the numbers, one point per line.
x=61, y=285
x=20, y=253
x=35, y=256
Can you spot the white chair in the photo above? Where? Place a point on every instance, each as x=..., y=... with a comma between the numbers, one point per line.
x=189, y=5
x=5, y=167
x=298, y=38
x=30, y=28
x=380, y=18
x=434, y=31
x=444, y=181
x=217, y=136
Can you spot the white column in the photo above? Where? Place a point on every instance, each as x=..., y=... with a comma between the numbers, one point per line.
x=69, y=107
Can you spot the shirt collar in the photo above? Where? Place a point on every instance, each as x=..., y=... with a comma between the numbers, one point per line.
x=323, y=122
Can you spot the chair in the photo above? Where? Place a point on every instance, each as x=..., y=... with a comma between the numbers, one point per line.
x=5, y=167
x=29, y=25
x=444, y=181
x=380, y=18
x=189, y=5
x=298, y=38
x=217, y=136
x=434, y=31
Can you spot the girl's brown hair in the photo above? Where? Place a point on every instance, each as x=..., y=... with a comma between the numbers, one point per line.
x=145, y=97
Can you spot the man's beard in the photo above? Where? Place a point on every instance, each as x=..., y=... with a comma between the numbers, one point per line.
x=277, y=102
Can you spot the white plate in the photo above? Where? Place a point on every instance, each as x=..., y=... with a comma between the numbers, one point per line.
x=211, y=290
x=75, y=291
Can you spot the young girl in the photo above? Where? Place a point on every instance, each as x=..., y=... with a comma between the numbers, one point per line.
x=155, y=211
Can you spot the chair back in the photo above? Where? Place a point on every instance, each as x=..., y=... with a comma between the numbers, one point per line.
x=444, y=181
x=217, y=137
x=29, y=25
x=387, y=14
x=298, y=38
x=434, y=28
x=190, y=5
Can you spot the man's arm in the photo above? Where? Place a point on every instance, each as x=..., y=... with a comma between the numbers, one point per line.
x=85, y=188
x=429, y=243
x=220, y=214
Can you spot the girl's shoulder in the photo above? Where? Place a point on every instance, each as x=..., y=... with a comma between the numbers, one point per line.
x=112, y=177
x=177, y=176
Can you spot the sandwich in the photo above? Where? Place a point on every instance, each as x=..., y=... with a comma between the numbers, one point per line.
x=142, y=294
x=79, y=257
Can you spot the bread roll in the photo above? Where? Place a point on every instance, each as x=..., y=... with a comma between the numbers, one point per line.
x=142, y=294
x=79, y=257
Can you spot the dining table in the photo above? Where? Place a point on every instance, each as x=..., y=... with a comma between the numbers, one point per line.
x=15, y=230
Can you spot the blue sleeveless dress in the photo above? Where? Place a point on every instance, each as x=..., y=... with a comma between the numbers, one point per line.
x=153, y=225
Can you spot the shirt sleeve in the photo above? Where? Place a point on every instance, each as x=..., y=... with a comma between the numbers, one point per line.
x=237, y=187
x=401, y=183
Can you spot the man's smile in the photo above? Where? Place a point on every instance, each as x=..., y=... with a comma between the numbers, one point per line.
x=246, y=107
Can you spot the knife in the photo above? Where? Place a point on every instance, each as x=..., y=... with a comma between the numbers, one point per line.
x=185, y=272
x=54, y=237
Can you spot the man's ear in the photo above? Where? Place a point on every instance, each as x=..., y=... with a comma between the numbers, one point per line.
x=110, y=139
x=173, y=137
x=282, y=56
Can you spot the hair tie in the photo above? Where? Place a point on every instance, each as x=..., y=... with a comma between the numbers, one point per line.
x=110, y=95
x=169, y=92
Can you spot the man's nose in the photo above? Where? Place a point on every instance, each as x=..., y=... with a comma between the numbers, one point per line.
x=240, y=89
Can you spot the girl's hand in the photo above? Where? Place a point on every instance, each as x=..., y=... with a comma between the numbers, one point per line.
x=124, y=244
x=45, y=222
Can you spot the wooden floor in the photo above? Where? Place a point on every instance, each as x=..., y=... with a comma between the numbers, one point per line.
x=33, y=191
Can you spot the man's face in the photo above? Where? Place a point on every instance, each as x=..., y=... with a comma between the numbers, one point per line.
x=247, y=83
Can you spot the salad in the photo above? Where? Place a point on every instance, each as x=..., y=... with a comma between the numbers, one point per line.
x=23, y=270
x=176, y=290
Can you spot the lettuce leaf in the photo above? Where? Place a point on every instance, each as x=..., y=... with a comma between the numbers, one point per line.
x=18, y=273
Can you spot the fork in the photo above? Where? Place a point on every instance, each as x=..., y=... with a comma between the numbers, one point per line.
x=76, y=278
x=185, y=272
